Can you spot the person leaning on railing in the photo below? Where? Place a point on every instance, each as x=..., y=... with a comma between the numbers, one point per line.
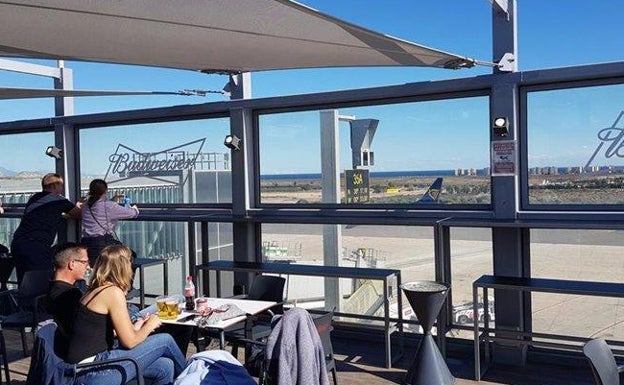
x=99, y=219
x=102, y=313
x=44, y=214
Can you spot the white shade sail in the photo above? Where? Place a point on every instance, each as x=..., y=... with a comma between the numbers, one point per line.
x=204, y=35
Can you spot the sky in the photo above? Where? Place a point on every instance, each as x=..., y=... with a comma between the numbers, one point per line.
x=553, y=33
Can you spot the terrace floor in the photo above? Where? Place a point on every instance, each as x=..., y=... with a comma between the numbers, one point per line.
x=360, y=362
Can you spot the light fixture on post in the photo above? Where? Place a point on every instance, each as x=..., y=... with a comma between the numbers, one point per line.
x=500, y=126
x=233, y=142
x=54, y=152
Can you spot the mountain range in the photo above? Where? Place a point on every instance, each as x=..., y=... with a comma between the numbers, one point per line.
x=6, y=173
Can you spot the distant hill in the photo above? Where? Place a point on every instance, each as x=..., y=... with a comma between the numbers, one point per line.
x=30, y=174
x=6, y=172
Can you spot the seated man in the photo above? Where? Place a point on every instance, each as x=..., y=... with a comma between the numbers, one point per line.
x=71, y=264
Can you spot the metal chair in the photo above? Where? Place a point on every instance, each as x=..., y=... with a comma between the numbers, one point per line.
x=28, y=301
x=601, y=360
x=259, y=365
x=47, y=367
x=263, y=288
x=324, y=328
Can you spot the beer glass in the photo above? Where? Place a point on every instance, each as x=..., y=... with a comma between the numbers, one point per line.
x=161, y=304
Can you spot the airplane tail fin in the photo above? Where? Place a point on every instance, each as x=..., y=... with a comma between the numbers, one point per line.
x=433, y=192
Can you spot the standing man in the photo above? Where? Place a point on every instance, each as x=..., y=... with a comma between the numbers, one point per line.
x=43, y=216
x=71, y=264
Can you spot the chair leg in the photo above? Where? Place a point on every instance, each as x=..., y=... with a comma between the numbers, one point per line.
x=235, y=350
x=24, y=349
x=335, y=374
x=5, y=360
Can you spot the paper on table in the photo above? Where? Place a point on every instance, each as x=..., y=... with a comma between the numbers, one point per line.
x=221, y=313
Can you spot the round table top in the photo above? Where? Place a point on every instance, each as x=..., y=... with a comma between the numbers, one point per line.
x=424, y=286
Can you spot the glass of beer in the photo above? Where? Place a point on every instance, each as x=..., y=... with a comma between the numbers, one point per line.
x=173, y=307
x=161, y=304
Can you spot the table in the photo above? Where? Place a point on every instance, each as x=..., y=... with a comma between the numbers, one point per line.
x=385, y=275
x=251, y=307
x=543, y=285
x=142, y=263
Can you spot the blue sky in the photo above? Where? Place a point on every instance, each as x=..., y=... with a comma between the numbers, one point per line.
x=551, y=34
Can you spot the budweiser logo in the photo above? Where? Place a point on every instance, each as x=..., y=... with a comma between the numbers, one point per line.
x=612, y=138
x=127, y=162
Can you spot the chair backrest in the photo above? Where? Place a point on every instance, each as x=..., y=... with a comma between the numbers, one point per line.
x=35, y=283
x=268, y=288
x=324, y=327
x=602, y=362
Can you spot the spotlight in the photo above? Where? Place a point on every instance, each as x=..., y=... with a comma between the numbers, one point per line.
x=54, y=152
x=232, y=142
x=500, y=126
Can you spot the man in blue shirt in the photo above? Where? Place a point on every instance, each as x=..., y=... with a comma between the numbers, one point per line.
x=44, y=214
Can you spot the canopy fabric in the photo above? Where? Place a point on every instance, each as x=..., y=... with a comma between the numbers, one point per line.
x=205, y=35
x=29, y=93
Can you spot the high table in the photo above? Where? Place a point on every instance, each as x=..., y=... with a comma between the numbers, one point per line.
x=385, y=275
x=250, y=307
x=142, y=263
x=429, y=367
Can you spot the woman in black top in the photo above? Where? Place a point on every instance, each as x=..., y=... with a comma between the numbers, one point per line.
x=103, y=312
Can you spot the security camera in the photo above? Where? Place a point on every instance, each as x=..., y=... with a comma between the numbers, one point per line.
x=500, y=126
x=54, y=152
x=232, y=142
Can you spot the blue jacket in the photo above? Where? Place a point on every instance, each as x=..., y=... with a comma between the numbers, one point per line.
x=46, y=368
x=214, y=367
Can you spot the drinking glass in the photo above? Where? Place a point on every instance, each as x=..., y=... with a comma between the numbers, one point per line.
x=173, y=307
x=161, y=304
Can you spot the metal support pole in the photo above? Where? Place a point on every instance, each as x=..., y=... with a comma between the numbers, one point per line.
x=66, y=138
x=332, y=234
x=246, y=235
x=510, y=246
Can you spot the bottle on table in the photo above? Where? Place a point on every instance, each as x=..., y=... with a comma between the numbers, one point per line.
x=189, y=293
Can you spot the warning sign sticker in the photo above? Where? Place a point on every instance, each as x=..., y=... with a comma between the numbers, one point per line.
x=504, y=158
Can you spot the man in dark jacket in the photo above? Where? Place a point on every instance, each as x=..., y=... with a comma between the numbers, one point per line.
x=71, y=264
x=43, y=216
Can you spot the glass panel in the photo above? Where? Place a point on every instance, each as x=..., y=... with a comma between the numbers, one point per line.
x=582, y=255
x=220, y=247
x=471, y=257
x=575, y=153
x=22, y=164
x=170, y=162
x=408, y=249
x=398, y=158
x=158, y=240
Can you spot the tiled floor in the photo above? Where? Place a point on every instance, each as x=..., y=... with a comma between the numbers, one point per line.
x=361, y=362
